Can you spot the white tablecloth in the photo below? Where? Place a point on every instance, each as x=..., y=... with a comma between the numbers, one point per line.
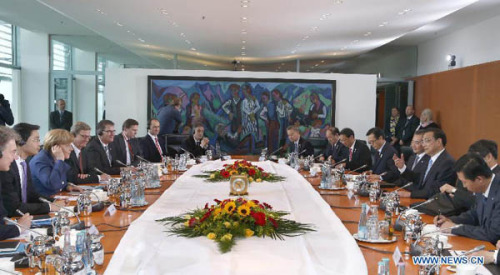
x=147, y=249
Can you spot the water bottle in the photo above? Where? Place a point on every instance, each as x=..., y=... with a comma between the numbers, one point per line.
x=325, y=175
x=362, y=230
x=217, y=149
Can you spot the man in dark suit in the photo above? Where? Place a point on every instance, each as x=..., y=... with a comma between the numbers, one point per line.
x=335, y=151
x=170, y=117
x=408, y=127
x=126, y=145
x=196, y=144
x=18, y=191
x=462, y=198
x=99, y=150
x=298, y=144
x=153, y=148
x=60, y=118
x=482, y=222
x=383, y=167
x=7, y=156
x=359, y=154
x=439, y=170
x=415, y=167
x=80, y=172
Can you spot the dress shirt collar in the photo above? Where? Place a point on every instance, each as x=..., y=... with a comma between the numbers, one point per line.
x=102, y=143
x=494, y=166
x=433, y=158
x=409, y=117
x=487, y=192
x=125, y=137
x=352, y=146
x=382, y=148
x=77, y=151
x=195, y=140
x=152, y=137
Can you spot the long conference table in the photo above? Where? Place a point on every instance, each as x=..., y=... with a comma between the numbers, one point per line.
x=135, y=244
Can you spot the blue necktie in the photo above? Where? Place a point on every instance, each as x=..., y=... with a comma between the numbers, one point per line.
x=429, y=165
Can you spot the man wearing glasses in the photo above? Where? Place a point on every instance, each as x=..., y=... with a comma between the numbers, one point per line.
x=80, y=172
x=439, y=168
x=99, y=150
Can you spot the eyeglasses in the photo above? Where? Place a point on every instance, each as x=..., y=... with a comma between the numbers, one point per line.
x=371, y=142
x=428, y=140
x=109, y=131
x=417, y=142
x=85, y=136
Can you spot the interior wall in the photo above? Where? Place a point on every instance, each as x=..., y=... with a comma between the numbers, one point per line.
x=465, y=103
x=34, y=52
x=126, y=94
x=84, y=92
x=475, y=44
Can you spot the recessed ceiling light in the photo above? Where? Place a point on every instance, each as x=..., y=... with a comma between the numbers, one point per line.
x=193, y=49
x=293, y=52
x=383, y=24
x=315, y=28
x=367, y=34
x=182, y=34
x=354, y=41
x=119, y=24
x=338, y=1
x=128, y=31
x=243, y=41
x=142, y=40
x=322, y=61
x=243, y=32
x=243, y=54
x=243, y=47
x=403, y=12
x=164, y=11
x=101, y=11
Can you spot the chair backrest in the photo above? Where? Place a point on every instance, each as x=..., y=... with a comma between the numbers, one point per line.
x=319, y=145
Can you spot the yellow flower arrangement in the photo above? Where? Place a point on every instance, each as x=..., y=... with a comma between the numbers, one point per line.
x=228, y=220
x=212, y=176
x=258, y=180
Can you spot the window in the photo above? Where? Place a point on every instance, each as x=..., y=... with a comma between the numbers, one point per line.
x=6, y=44
x=61, y=56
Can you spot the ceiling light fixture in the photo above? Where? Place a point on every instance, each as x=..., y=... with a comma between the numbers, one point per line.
x=243, y=41
x=338, y=1
x=119, y=24
x=243, y=47
x=403, y=12
x=164, y=11
x=383, y=24
x=187, y=42
x=367, y=34
x=142, y=40
x=193, y=49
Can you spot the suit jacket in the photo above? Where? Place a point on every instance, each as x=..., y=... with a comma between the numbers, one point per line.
x=463, y=199
x=96, y=158
x=338, y=151
x=483, y=221
x=414, y=175
x=170, y=119
x=385, y=164
x=48, y=175
x=440, y=173
x=360, y=156
x=149, y=150
x=407, y=129
x=57, y=123
x=11, y=193
x=74, y=163
x=6, y=230
x=119, y=144
x=304, y=145
x=190, y=145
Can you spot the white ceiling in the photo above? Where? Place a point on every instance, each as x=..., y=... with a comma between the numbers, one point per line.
x=210, y=34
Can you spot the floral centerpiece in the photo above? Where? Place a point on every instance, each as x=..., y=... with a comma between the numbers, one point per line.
x=231, y=219
x=240, y=167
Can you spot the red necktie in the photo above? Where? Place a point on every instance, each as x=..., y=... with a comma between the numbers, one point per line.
x=130, y=149
x=158, y=146
x=350, y=154
x=80, y=162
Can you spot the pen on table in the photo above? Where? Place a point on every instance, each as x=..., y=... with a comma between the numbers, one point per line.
x=19, y=212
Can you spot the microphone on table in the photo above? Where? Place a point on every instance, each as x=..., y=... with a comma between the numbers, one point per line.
x=279, y=149
x=143, y=159
x=121, y=163
x=359, y=168
x=318, y=156
x=79, y=226
x=186, y=151
x=26, y=228
x=339, y=162
x=99, y=171
x=474, y=250
x=416, y=250
x=398, y=224
x=403, y=187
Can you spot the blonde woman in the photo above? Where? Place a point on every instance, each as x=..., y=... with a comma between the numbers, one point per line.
x=48, y=168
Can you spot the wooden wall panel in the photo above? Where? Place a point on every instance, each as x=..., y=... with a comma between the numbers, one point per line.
x=465, y=103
